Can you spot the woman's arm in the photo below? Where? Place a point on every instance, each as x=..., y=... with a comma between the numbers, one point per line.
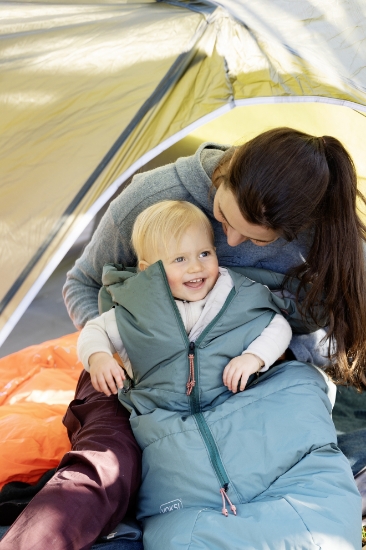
x=84, y=280
x=111, y=242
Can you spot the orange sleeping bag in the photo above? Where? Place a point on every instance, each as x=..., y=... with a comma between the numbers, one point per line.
x=36, y=386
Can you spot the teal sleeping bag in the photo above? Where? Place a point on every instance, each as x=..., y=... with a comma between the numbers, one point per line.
x=270, y=451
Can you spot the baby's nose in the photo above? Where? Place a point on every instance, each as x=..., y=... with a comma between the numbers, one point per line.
x=195, y=266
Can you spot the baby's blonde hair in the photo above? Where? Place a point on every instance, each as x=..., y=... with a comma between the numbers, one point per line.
x=158, y=224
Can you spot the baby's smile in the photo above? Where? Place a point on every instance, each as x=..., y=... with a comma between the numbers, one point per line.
x=195, y=283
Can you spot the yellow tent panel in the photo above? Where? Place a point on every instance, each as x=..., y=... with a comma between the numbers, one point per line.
x=92, y=91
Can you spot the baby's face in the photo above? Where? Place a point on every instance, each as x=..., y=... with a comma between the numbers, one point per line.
x=191, y=265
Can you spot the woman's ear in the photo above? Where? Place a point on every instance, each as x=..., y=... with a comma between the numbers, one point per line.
x=142, y=265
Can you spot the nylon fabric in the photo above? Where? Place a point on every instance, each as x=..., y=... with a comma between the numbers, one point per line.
x=37, y=385
x=94, y=91
x=274, y=444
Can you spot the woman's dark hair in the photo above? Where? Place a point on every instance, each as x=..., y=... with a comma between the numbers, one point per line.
x=292, y=182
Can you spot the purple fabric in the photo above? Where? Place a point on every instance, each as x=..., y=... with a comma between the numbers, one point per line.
x=96, y=482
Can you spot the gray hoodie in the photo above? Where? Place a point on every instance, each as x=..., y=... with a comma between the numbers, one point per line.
x=189, y=179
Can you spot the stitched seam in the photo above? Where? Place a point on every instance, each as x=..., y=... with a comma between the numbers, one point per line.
x=287, y=471
x=169, y=434
x=229, y=414
x=302, y=521
x=218, y=317
x=258, y=399
x=190, y=542
x=174, y=306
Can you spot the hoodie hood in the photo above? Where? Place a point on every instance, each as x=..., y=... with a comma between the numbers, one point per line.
x=200, y=167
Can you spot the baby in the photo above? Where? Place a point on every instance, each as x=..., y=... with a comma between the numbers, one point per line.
x=179, y=235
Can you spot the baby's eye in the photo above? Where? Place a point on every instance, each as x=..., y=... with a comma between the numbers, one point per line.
x=179, y=259
x=205, y=254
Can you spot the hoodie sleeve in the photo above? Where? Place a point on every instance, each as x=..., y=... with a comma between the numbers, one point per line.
x=111, y=242
x=84, y=280
x=272, y=343
x=101, y=335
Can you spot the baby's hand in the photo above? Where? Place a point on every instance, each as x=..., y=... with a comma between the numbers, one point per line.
x=239, y=369
x=105, y=373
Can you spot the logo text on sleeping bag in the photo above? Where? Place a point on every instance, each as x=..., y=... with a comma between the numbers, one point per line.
x=171, y=506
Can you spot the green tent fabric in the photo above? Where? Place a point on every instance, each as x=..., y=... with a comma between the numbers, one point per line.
x=93, y=90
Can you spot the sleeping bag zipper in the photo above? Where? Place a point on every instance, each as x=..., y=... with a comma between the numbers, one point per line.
x=191, y=379
x=193, y=394
x=206, y=433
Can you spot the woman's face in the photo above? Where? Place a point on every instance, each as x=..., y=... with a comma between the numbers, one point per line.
x=235, y=227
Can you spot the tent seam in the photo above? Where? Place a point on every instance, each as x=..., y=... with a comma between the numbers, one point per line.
x=118, y=183
x=178, y=67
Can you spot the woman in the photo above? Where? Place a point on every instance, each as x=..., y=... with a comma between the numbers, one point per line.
x=285, y=201
x=293, y=184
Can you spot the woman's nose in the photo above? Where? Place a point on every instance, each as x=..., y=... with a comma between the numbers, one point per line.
x=234, y=238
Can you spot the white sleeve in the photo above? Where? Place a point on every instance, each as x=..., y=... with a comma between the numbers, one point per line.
x=96, y=337
x=272, y=343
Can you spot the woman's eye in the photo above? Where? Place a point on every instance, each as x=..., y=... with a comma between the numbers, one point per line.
x=180, y=259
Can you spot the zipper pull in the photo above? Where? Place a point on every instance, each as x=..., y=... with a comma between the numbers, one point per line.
x=127, y=384
x=191, y=381
x=224, y=509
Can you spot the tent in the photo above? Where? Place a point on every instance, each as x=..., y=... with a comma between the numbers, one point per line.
x=91, y=91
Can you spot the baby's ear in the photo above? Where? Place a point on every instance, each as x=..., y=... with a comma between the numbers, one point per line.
x=142, y=265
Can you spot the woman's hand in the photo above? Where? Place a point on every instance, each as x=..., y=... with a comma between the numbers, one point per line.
x=239, y=369
x=105, y=373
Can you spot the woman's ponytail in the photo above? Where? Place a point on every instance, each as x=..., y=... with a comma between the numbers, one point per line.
x=335, y=266
x=293, y=182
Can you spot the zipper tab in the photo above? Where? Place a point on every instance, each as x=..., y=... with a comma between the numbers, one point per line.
x=127, y=384
x=191, y=381
x=224, y=509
